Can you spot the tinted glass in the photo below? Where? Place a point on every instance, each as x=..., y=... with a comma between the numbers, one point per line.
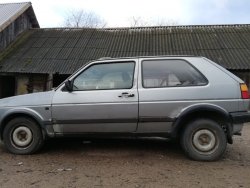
x=106, y=76
x=167, y=73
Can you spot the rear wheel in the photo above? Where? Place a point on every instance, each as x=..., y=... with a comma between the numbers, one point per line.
x=22, y=136
x=204, y=140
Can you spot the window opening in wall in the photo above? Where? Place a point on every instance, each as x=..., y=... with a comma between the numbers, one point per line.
x=7, y=86
x=59, y=78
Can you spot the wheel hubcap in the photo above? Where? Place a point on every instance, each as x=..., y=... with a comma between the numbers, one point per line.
x=22, y=136
x=204, y=140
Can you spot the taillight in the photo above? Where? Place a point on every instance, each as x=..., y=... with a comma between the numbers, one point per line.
x=244, y=91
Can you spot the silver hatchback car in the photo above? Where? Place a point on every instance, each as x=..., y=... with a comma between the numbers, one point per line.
x=185, y=97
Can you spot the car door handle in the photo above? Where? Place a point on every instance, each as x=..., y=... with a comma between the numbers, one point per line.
x=126, y=95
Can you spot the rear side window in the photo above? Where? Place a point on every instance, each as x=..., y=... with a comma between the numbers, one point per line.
x=170, y=73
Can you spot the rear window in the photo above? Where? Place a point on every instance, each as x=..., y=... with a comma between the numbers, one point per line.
x=170, y=73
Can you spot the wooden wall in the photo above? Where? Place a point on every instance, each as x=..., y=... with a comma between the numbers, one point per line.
x=24, y=83
x=13, y=30
x=37, y=83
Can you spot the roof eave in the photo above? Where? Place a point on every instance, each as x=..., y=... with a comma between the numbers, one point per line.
x=32, y=15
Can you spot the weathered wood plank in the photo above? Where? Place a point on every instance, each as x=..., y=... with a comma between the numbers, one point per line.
x=13, y=30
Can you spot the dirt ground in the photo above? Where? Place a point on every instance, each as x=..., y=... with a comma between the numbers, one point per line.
x=126, y=162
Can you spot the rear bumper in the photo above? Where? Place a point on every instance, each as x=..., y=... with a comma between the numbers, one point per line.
x=240, y=117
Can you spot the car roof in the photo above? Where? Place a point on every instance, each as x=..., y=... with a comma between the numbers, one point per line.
x=134, y=57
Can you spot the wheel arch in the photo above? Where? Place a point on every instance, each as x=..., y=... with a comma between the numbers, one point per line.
x=210, y=111
x=20, y=113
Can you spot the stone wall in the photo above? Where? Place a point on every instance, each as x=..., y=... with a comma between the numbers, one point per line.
x=37, y=83
x=21, y=82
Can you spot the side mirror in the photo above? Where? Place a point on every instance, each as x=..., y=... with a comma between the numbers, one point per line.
x=68, y=85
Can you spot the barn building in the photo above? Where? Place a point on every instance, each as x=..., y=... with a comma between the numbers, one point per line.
x=34, y=59
x=15, y=18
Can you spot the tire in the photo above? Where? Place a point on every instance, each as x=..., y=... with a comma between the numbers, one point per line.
x=22, y=136
x=204, y=140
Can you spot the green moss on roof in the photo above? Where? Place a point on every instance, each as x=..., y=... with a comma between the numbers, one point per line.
x=27, y=62
x=64, y=50
x=12, y=47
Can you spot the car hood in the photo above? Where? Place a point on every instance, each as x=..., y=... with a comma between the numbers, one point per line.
x=33, y=99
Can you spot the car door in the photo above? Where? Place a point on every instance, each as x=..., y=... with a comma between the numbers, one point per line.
x=166, y=86
x=104, y=99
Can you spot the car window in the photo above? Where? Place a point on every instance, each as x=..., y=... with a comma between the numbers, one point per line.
x=167, y=73
x=106, y=76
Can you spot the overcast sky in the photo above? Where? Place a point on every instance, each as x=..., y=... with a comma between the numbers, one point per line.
x=50, y=13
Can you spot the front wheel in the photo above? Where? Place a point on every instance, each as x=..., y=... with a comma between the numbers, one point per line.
x=22, y=136
x=204, y=140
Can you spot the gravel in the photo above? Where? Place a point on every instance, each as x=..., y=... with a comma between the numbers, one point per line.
x=124, y=162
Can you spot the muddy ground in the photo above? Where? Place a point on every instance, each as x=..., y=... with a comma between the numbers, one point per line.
x=124, y=162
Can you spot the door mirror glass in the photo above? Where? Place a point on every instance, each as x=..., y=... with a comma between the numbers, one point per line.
x=68, y=85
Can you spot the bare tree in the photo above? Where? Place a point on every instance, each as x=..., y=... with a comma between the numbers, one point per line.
x=82, y=18
x=143, y=22
x=138, y=21
x=165, y=22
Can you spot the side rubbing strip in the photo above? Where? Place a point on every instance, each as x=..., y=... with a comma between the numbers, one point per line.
x=89, y=121
x=156, y=119
x=131, y=120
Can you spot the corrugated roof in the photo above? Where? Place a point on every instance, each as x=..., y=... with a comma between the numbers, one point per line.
x=10, y=11
x=64, y=50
